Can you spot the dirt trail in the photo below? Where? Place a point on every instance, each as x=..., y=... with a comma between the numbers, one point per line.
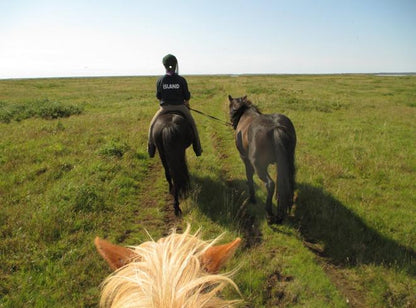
x=153, y=173
x=170, y=221
x=337, y=277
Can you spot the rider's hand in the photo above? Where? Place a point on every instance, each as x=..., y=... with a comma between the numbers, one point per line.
x=187, y=104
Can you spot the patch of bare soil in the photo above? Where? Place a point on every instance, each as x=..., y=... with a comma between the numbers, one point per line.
x=275, y=294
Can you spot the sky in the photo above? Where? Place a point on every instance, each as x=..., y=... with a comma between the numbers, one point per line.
x=44, y=38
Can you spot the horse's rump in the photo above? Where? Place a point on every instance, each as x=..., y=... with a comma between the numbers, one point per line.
x=175, y=127
x=261, y=143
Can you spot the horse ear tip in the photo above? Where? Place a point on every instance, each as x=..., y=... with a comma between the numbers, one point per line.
x=99, y=243
x=236, y=243
x=97, y=240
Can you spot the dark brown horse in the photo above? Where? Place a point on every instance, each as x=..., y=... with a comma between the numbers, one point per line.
x=264, y=139
x=172, y=135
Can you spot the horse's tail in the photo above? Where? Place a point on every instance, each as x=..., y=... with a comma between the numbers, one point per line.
x=176, y=159
x=285, y=143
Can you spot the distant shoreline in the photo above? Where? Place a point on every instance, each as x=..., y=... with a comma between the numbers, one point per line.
x=381, y=74
x=394, y=74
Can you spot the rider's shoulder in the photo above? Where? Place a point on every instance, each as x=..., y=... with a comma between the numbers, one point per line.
x=181, y=78
x=160, y=79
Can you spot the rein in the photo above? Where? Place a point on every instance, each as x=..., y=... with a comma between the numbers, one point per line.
x=212, y=117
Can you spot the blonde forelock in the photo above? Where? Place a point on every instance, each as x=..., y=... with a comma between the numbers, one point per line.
x=167, y=273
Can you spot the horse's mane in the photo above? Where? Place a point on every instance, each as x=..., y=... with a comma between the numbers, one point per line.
x=167, y=273
x=236, y=114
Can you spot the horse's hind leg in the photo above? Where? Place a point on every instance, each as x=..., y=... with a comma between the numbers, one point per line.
x=265, y=177
x=169, y=180
x=172, y=189
x=250, y=182
x=167, y=173
x=176, y=207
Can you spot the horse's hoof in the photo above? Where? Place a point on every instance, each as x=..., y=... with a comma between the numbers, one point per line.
x=278, y=220
x=274, y=220
x=178, y=212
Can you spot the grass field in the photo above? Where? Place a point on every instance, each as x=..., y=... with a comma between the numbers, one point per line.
x=73, y=165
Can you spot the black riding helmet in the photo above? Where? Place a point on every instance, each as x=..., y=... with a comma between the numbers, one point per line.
x=170, y=63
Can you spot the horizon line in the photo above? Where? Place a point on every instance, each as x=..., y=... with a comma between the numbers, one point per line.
x=220, y=74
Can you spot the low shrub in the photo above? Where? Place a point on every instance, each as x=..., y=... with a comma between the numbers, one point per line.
x=44, y=109
x=115, y=148
x=88, y=199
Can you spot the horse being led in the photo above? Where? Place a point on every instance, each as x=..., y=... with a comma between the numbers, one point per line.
x=178, y=271
x=264, y=139
x=173, y=135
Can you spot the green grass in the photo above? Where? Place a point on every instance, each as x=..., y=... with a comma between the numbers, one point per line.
x=73, y=165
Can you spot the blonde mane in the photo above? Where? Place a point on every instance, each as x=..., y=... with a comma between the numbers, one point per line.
x=167, y=273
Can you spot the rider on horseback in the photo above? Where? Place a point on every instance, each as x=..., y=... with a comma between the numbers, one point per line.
x=173, y=95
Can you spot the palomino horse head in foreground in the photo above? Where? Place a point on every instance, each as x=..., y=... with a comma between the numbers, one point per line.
x=177, y=271
x=264, y=139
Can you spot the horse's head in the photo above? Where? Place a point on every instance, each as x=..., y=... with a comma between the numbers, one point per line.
x=178, y=269
x=237, y=107
x=237, y=103
x=211, y=260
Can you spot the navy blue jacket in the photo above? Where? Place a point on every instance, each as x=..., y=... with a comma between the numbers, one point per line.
x=172, y=90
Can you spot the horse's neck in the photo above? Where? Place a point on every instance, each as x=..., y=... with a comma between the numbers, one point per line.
x=249, y=114
x=245, y=119
x=245, y=112
x=253, y=111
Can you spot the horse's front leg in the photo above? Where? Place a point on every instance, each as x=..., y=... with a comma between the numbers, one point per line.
x=250, y=182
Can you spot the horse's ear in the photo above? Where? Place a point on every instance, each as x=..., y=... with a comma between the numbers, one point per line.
x=116, y=256
x=230, y=98
x=244, y=99
x=216, y=256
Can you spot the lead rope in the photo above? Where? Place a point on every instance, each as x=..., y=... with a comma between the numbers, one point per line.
x=212, y=117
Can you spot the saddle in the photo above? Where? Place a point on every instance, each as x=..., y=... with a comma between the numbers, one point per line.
x=177, y=112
